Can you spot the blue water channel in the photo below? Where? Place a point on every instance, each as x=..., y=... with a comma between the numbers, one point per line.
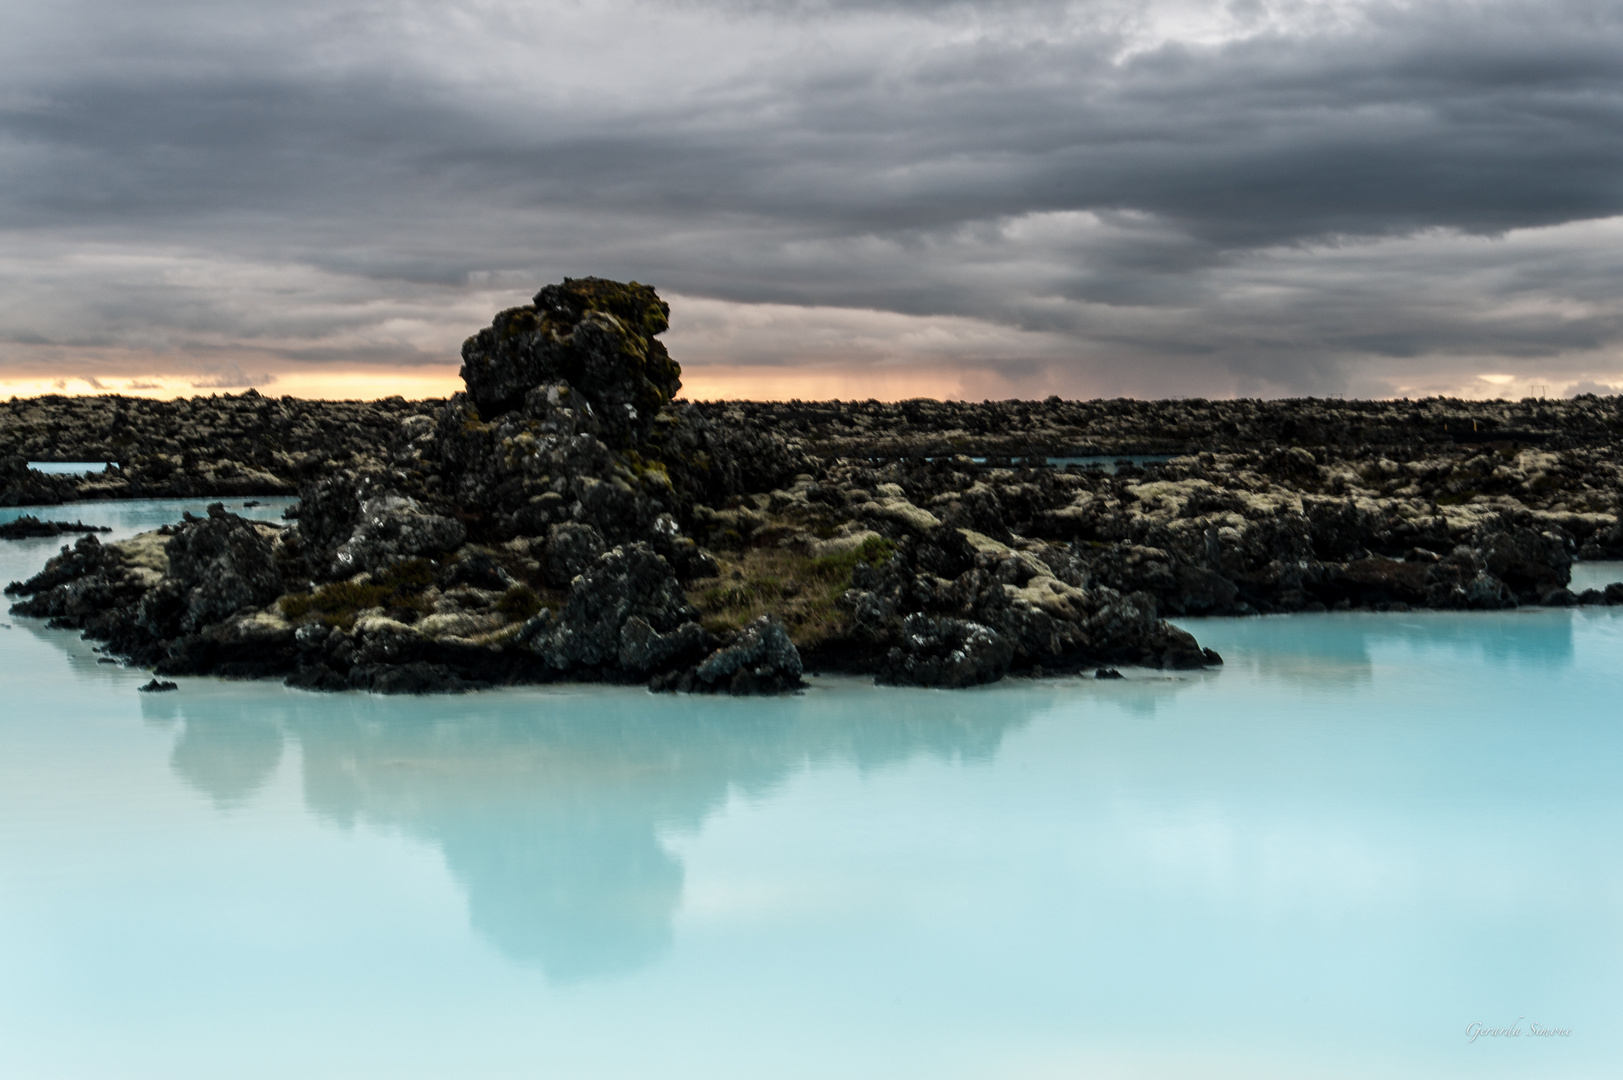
x=1107, y=463
x=1326, y=859
x=69, y=468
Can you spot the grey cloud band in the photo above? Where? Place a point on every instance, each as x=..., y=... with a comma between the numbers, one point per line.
x=1275, y=200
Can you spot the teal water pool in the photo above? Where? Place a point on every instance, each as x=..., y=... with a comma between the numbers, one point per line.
x=68, y=468
x=1326, y=859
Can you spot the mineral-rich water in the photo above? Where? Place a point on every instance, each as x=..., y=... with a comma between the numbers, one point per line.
x=1595, y=575
x=1098, y=462
x=1326, y=859
x=68, y=468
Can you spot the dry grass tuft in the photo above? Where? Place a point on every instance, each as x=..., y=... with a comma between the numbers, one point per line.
x=802, y=591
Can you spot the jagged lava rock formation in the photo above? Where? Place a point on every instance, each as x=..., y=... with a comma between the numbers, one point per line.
x=564, y=518
x=229, y=446
x=529, y=531
x=29, y=527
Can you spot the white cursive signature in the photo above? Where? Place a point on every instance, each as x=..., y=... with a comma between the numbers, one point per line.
x=1479, y=1030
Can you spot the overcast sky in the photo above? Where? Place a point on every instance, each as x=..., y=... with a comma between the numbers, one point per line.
x=838, y=199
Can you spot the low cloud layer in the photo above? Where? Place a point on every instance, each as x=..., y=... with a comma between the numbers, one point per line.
x=1106, y=198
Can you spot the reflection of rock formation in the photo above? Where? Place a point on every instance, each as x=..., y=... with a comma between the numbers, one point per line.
x=224, y=750
x=1336, y=649
x=549, y=806
x=581, y=895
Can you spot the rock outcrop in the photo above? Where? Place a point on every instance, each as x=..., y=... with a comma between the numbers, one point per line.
x=528, y=531
x=760, y=659
x=627, y=601
x=29, y=527
x=188, y=598
x=943, y=651
x=218, y=566
x=1003, y=607
x=230, y=446
x=590, y=337
x=563, y=518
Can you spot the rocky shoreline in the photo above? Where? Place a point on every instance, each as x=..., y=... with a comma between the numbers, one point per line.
x=565, y=518
x=29, y=527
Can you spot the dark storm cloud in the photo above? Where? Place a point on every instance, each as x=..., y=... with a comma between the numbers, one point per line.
x=1170, y=189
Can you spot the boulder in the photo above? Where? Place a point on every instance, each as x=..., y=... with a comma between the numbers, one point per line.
x=222, y=564
x=630, y=581
x=759, y=660
x=946, y=652
x=595, y=335
x=571, y=548
x=392, y=528
x=644, y=650
x=1530, y=562
x=945, y=552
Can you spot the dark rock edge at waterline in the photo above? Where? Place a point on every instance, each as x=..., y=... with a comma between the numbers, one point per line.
x=566, y=519
x=29, y=527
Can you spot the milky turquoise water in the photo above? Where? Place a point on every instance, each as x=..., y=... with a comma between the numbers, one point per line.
x=1101, y=462
x=68, y=468
x=1324, y=860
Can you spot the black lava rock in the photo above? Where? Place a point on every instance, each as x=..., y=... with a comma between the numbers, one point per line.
x=759, y=660
x=29, y=527
x=595, y=335
x=220, y=565
x=946, y=652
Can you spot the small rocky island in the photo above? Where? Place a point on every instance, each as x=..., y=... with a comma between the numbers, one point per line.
x=564, y=518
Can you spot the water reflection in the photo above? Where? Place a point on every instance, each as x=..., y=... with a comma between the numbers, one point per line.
x=1339, y=649
x=549, y=805
x=222, y=749
x=1157, y=855
x=227, y=758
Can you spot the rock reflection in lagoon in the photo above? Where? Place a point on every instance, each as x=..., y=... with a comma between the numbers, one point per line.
x=225, y=756
x=1325, y=859
x=549, y=806
x=1340, y=648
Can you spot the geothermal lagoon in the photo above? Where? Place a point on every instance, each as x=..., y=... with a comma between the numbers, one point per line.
x=1328, y=858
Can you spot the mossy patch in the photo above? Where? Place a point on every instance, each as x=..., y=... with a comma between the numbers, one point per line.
x=520, y=602
x=642, y=467
x=802, y=591
x=397, y=589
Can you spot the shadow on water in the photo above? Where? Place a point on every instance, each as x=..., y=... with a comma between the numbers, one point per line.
x=548, y=805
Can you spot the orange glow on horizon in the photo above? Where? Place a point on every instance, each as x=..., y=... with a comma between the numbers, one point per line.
x=761, y=382
x=700, y=382
x=354, y=385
